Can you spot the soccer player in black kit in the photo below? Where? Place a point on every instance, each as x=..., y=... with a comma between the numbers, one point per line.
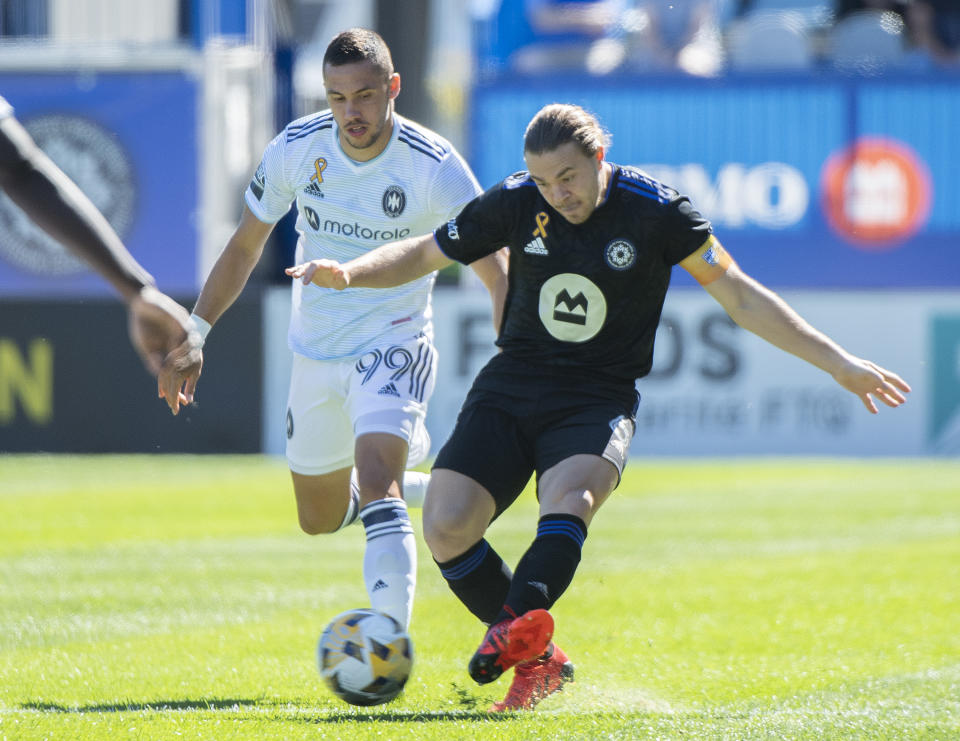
x=592, y=245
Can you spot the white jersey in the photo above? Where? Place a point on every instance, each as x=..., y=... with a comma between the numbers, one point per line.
x=345, y=209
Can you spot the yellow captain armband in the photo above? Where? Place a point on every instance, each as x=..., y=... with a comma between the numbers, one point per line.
x=709, y=262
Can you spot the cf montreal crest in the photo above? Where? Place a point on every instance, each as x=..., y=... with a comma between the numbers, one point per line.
x=620, y=254
x=394, y=201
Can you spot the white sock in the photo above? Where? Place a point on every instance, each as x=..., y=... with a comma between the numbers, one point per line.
x=390, y=560
x=353, y=507
x=415, y=488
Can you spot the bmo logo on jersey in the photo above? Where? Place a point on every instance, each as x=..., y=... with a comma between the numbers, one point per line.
x=572, y=308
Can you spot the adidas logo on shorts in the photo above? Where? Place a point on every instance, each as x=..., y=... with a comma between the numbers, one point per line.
x=381, y=584
x=389, y=389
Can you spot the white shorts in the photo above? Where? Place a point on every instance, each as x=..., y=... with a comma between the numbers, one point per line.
x=332, y=402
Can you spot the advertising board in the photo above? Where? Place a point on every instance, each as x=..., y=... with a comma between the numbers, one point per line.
x=71, y=382
x=810, y=181
x=717, y=390
x=129, y=140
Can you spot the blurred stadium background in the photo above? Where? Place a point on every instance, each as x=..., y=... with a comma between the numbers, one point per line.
x=821, y=142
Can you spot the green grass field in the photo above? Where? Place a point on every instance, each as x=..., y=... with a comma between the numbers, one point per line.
x=173, y=597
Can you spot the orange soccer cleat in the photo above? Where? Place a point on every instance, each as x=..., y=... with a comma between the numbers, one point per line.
x=509, y=642
x=536, y=679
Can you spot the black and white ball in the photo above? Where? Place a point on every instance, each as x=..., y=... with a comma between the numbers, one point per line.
x=365, y=657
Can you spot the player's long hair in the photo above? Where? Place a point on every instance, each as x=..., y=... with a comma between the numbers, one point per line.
x=559, y=123
x=359, y=45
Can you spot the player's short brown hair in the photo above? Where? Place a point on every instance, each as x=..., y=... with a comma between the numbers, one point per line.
x=559, y=123
x=359, y=45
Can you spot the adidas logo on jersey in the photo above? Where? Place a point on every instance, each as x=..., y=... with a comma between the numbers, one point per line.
x=389, y=389
x=536, y=247
x=313, y=189
x=381, y=584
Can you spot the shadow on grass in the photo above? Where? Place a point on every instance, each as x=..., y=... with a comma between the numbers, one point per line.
x=132, y=707
x=334, y=717
x=412, y=716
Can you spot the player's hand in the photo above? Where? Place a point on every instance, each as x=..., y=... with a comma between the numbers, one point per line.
x=177, y=380
x=868, y=380
x=157, y=325
x=326, y=273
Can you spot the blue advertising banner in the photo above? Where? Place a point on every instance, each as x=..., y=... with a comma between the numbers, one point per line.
x=829, y=182
x=129, y=140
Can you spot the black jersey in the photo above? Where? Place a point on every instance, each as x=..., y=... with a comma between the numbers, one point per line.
x=582, y=297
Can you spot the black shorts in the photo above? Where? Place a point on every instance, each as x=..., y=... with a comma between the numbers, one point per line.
x=519, y=419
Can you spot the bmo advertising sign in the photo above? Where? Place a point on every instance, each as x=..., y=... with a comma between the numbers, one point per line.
x=860, y=223
x=819, y=182
x=874, y=194
x=771, y=195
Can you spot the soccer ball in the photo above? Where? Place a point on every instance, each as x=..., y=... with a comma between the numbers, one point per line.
x=365, y=657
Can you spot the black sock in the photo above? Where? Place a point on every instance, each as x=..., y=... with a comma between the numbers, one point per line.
x=479, y=578
x=548, y=566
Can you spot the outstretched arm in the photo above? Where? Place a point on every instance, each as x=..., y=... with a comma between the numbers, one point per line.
x=761, y=311
x=57, y=205
x=177, y=383
x=391, y=264
x=158, y=325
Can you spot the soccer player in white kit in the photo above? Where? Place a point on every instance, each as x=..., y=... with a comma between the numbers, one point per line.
x=364, y=363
